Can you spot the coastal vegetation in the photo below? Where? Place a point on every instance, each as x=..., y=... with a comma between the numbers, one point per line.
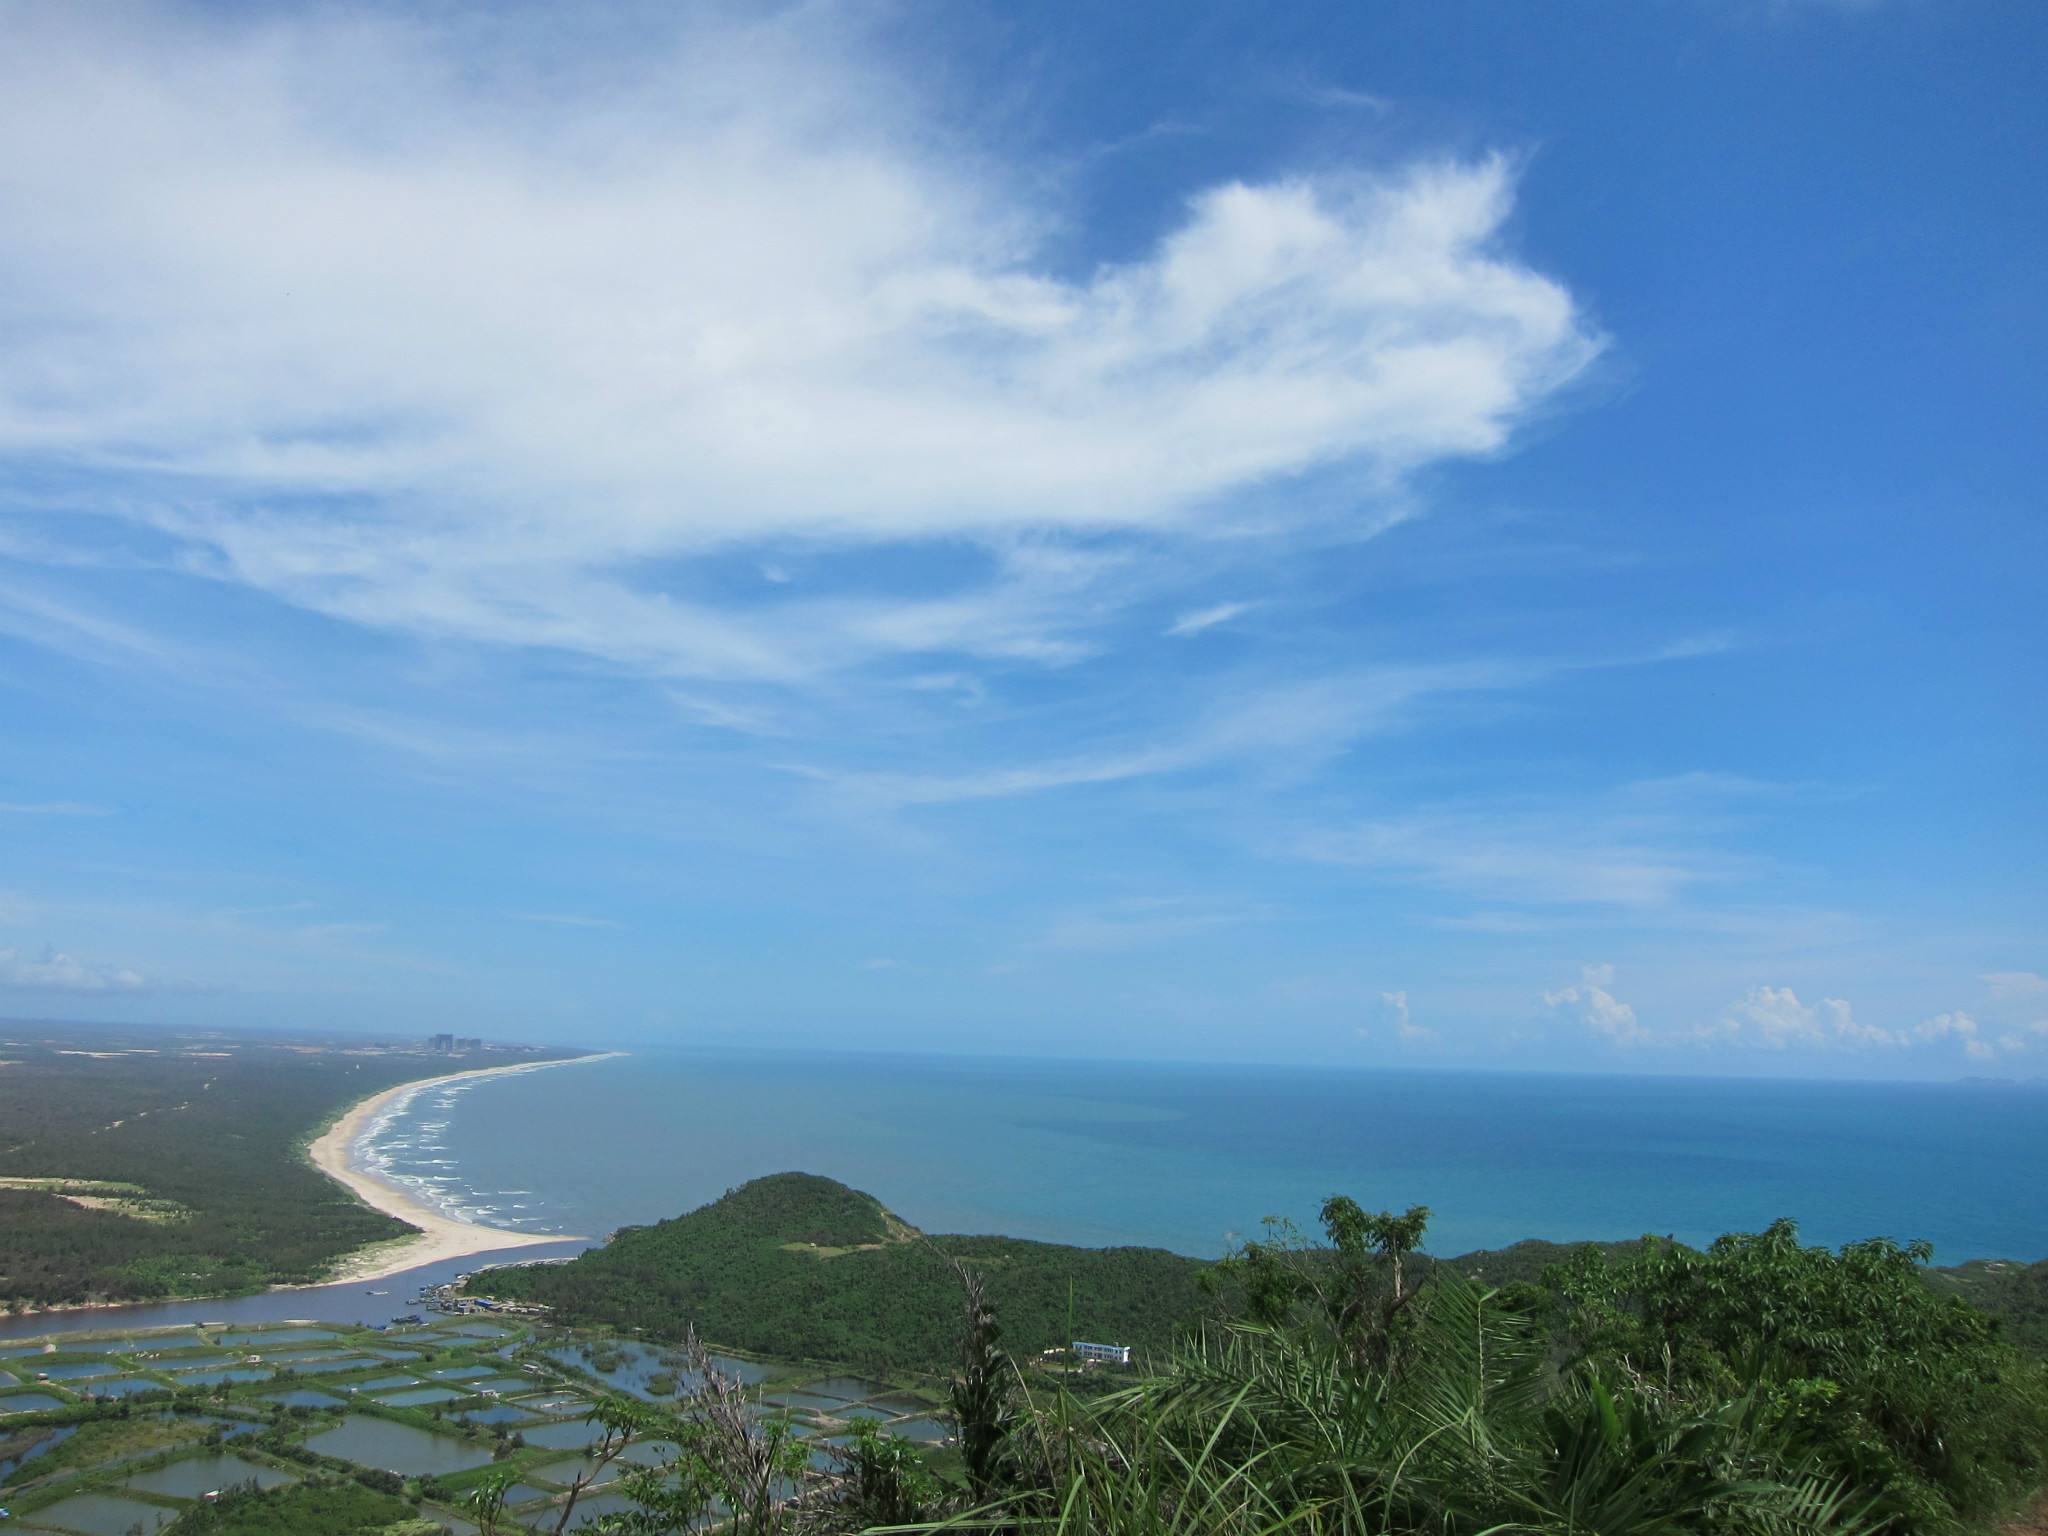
x=1345, y=1383
x=338, y=1508
x=802, y=1267
x=1350, y=1384
x=136, y=1168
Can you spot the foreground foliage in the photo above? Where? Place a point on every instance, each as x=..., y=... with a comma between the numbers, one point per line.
x=1756, y=1388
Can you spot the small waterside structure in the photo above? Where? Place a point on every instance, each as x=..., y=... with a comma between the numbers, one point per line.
x=1108, y=1354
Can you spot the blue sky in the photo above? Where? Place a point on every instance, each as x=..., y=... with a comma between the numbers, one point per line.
x=1471, y=534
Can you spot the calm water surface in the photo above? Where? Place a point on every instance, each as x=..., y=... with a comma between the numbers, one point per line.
x=1191, y=1157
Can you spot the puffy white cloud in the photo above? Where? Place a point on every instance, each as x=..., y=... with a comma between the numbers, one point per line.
x=1774, y=1018
x=1944, y=1025
x=52, y=970
x=1597, y=1008
x=466, y=333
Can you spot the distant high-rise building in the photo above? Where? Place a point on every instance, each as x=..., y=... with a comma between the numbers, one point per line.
x=441, y=1045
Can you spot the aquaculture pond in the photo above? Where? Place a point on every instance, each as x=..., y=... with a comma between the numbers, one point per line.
x=125, y=1386
x=498, y=1413
x=419, y=1397
x=592, y=1505
x=73, y=1370
x=203, y=1475
x=273, y=1337
x=322, y=1366
x=569, y=1468
x=848, y=1389
x=98, y=1514
x=26, y=1445
x=564, y=1435
x=303, y=1397
x=639, y=1364
x=28, y=1402
x=397, y=1448
x=216, y=1378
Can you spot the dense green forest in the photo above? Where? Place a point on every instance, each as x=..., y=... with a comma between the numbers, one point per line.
x=802, y=1267
x=185, y=1152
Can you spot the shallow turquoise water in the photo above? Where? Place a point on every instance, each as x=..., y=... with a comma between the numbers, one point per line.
x=1192, y=1157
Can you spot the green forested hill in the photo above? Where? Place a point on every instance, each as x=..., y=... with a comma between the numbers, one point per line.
x=798, y=1265
x=801, y=1266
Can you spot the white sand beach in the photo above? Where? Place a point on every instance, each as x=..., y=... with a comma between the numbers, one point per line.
x=439, y=1237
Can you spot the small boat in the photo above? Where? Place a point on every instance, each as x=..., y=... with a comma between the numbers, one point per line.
x=376, y=1293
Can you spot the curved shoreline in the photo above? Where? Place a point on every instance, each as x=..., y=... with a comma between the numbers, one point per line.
x=439, y=1237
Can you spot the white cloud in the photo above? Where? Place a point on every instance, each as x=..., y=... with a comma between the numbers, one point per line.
x=51, y=970
x=1597, y=1008
x=406, y=325
x=1300, y=721
x=1206, y=618
x=2015, y=986
x=1944, y=1025
x=1775, y=1019
x=1507, y=855
x=1406, y=1030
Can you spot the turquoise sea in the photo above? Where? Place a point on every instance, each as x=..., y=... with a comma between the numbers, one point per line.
x=1187, y=1157
x=1193, y=1157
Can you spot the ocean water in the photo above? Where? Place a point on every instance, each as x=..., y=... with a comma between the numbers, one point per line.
x=1193, y=1158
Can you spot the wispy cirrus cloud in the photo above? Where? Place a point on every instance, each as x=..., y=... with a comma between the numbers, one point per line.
x=1300, y=721
x=1194, y=623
